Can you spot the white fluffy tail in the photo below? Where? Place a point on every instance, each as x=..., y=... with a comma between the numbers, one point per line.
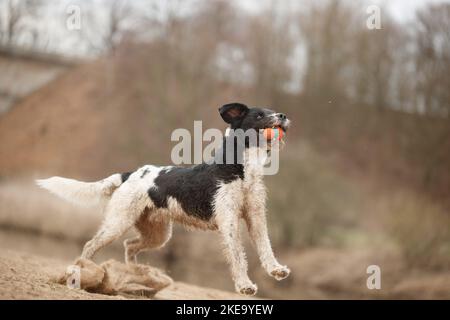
x=82, y=193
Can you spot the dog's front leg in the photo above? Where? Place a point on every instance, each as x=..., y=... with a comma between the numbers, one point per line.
x=255, y=217
x=227, y=219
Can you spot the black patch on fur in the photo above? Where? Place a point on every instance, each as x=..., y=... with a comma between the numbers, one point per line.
x=124, y=176
x=144, y=173
x=194, y=188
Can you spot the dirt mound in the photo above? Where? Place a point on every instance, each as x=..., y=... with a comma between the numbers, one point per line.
x=24, y=276
x=57, y=128
x=103, y=117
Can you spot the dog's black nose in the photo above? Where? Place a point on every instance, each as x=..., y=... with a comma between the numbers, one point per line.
x=282, y=116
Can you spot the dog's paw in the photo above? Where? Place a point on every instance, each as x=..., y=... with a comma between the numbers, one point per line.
x=280, y=273
x=248, y=290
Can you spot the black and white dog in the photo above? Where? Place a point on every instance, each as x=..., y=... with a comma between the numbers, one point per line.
x=208, y=196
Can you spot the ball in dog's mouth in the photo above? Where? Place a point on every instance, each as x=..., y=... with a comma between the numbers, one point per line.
x=276, y=133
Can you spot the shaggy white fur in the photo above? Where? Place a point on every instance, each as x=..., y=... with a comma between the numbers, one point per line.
x=129, y=204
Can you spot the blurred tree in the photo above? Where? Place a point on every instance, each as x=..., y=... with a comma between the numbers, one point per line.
x=373, y=61
x=16, y=21
x=270, y=45
x=433, y=58
x=105, y=28
x=327, y=30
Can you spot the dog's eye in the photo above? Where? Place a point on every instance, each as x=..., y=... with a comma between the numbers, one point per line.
x=260, y=115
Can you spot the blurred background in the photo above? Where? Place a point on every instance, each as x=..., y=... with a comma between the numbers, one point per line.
x=90, y=88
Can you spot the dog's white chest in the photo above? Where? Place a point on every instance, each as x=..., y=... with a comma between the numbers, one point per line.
x=254, y=161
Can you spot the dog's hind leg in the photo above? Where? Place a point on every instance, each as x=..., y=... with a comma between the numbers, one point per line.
x=122, y=211
x=154, y=234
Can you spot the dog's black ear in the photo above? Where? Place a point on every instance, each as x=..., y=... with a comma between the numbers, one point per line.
x=233, y=111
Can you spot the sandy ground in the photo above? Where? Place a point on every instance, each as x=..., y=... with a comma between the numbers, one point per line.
x=25, y=276
x=43, y=226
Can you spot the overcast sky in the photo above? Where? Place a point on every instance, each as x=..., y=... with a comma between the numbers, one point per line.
x=400, y=9
x=404, y=9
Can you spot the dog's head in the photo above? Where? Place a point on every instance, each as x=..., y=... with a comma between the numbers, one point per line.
x=239, y=116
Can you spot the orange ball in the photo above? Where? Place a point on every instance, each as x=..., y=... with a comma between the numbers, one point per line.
x=273, y=133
